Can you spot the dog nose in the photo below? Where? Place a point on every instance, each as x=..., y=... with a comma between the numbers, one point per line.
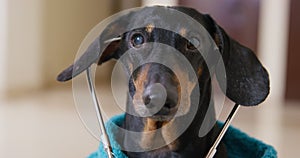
x=155, y=95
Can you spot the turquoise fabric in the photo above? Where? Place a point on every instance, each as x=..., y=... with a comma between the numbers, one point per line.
x=239, y=144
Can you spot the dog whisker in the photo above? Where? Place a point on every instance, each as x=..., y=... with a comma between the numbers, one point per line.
x=112, y=40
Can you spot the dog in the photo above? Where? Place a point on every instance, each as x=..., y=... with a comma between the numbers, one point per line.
x=151, y=83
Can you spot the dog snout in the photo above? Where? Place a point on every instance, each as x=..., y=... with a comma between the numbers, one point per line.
x=156, y=88
x=161, y=88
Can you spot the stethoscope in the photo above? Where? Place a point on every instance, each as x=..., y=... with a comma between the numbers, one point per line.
x=105, y=139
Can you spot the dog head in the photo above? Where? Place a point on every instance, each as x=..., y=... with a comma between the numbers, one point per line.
x=158, y=87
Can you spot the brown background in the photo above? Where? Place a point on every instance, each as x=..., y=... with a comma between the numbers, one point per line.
x=293, y=64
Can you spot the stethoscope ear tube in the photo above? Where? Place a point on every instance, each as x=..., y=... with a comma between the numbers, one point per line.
x=104, y=137
x=227, y=123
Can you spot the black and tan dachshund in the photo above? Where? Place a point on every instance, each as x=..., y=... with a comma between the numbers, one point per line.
x=247, y=80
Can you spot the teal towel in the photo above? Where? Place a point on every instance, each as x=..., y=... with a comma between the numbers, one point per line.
x=239, y=144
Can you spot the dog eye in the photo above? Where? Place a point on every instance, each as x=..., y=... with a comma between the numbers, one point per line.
x=137, y=40
x=193, y=43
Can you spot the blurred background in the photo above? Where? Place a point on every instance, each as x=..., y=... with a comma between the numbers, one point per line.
x=39, y=38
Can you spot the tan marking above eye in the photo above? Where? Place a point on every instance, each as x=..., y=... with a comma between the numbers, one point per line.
x=183, y=32
x=149, y=28
x=199, y=71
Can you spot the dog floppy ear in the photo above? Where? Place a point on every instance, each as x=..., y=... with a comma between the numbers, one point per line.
x=102, y=49
x=247, y=80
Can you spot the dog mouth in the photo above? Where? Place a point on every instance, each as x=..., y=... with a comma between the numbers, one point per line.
x=165, y=107
x=165, y=114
